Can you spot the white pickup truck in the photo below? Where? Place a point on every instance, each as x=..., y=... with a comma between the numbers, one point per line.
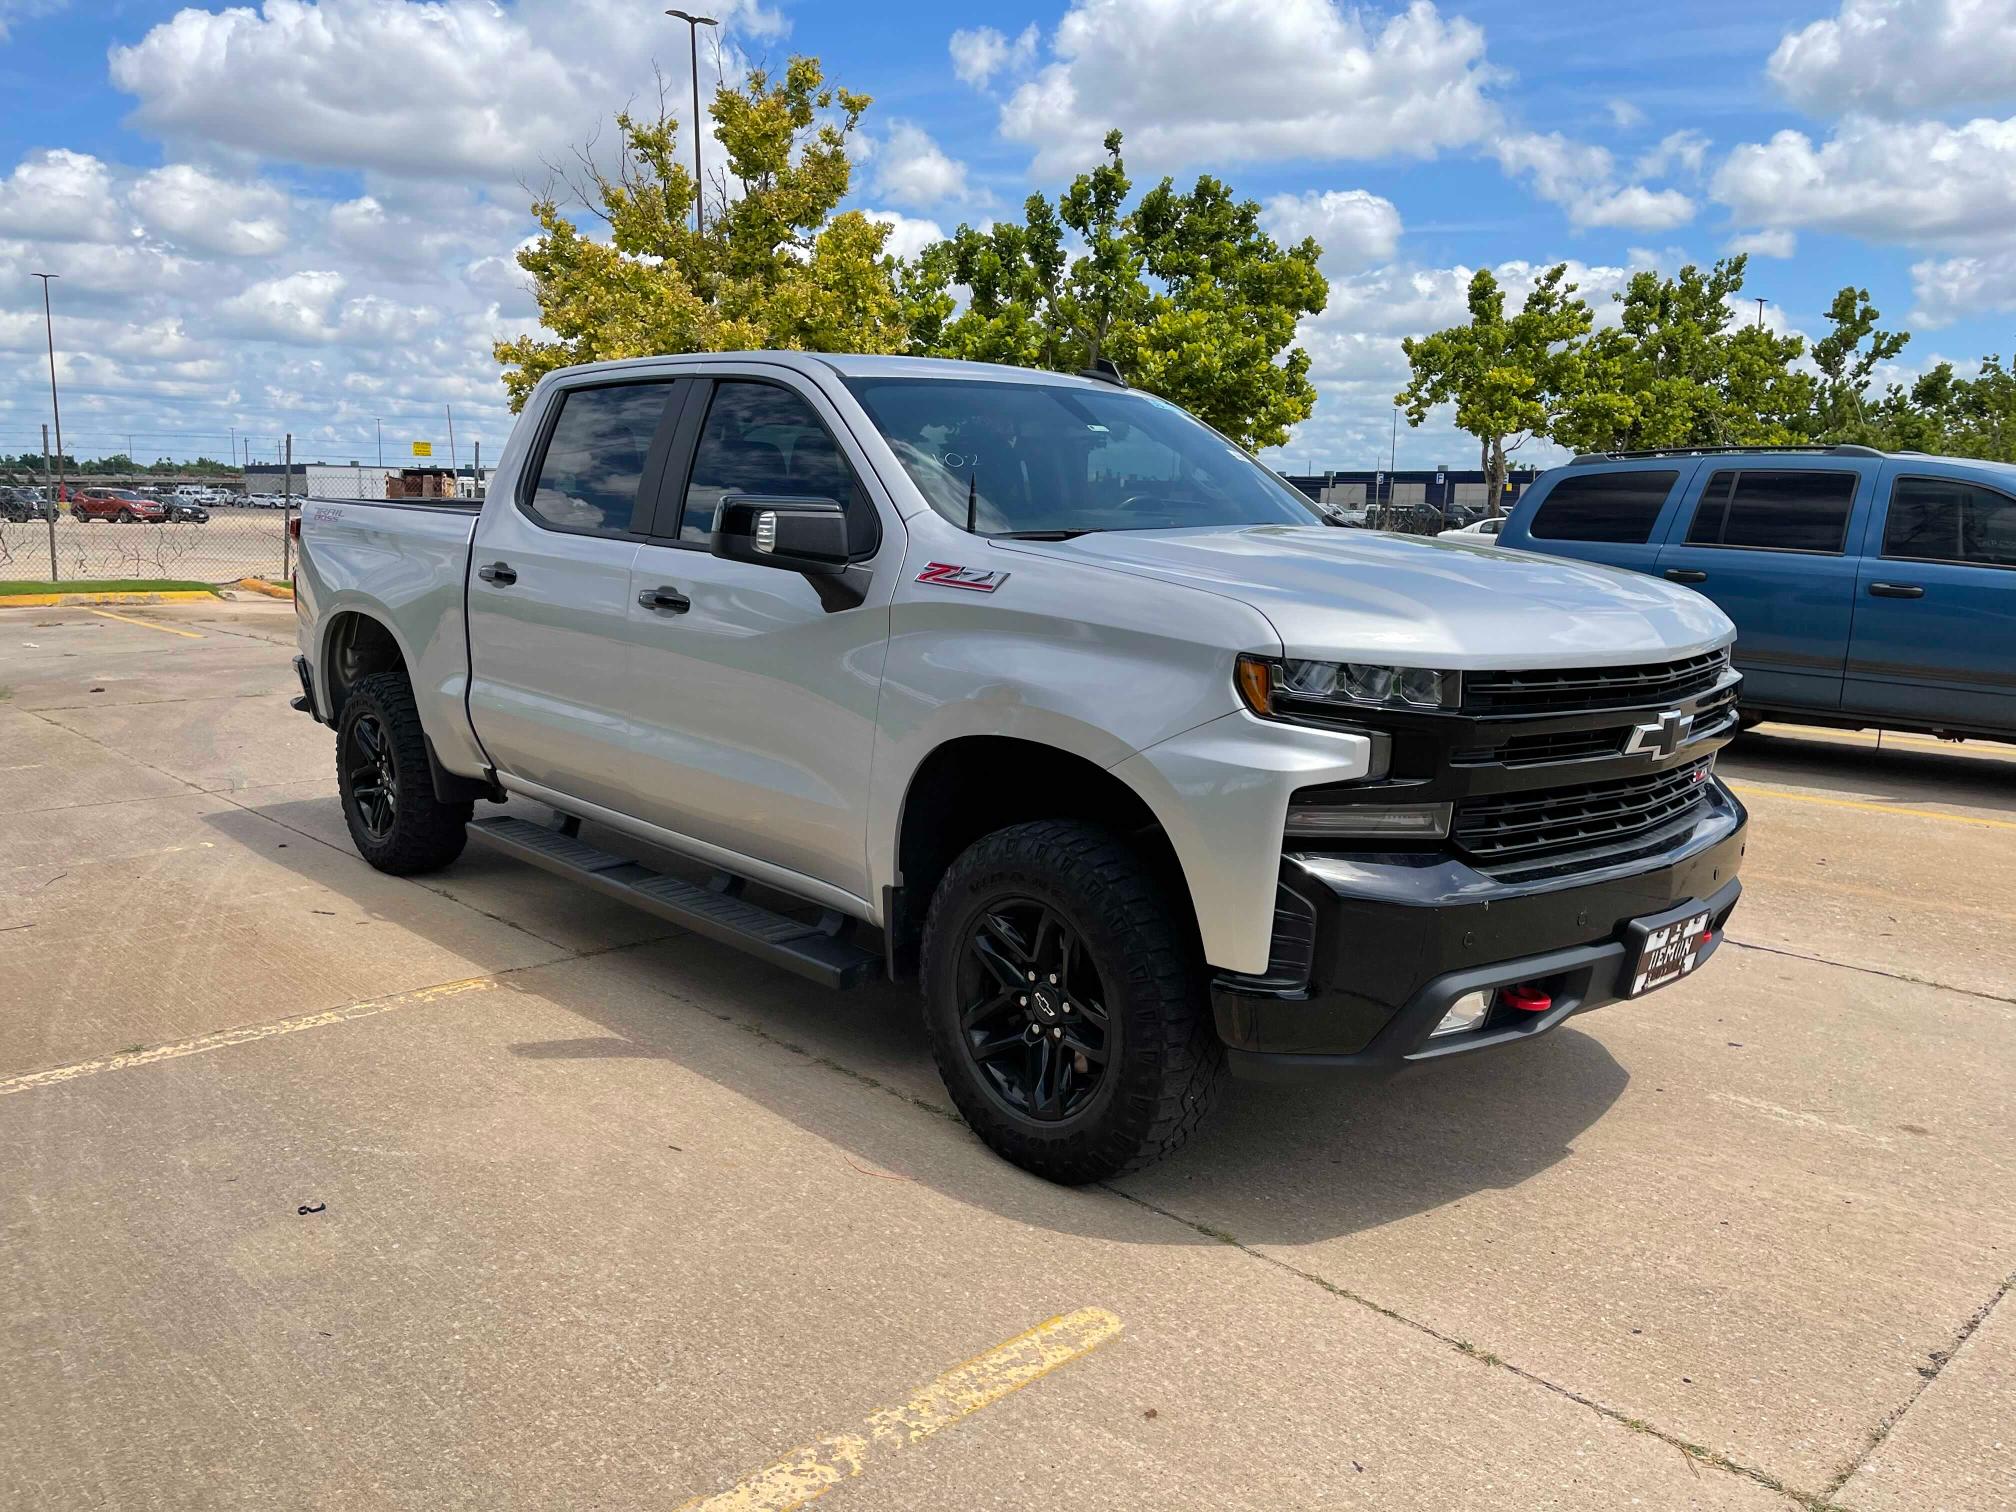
x=1036, y=688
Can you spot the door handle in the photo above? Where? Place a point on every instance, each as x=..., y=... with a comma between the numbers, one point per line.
x=1686, y=575
x=665, y=600
x=1896, y=590
x=499, y=573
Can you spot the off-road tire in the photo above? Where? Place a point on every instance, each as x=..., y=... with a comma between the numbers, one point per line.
x=1168, y=1063
x=424, y=834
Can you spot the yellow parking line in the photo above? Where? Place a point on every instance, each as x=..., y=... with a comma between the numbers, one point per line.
x=810, y=1472
x=1749, y=790
x=218, y=1041
x=144, y=624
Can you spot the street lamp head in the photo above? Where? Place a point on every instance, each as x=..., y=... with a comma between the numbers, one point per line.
x=692, y=20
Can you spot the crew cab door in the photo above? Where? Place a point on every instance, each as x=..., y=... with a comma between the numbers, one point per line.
x=549, y=592
x=1935, y=612
x=754, y=698
x=1770, y=545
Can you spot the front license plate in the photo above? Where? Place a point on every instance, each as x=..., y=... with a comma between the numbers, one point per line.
x=1666, y=951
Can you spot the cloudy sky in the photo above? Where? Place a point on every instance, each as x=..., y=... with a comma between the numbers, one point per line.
x=301, y=216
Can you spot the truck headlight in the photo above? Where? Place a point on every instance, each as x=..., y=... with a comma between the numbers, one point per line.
x=1270, y=688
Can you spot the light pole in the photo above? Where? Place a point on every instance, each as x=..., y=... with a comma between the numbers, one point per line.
x=49, y=325
x=693, y=25
x=381, y=441
x=1760, y=312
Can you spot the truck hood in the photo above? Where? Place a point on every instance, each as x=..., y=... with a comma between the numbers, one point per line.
x=1361, y=595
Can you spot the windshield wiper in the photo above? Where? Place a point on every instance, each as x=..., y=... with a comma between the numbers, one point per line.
x=1041, y=535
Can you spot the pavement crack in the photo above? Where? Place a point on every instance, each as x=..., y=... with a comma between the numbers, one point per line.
x=1695, y=1453
x=1941, y=1358
x=1875, y=971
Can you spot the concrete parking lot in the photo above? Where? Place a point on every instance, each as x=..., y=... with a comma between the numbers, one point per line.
x=604, y=1215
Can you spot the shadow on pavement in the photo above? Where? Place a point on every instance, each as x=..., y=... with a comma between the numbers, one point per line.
x=1340, y=1158
x=1984, y=777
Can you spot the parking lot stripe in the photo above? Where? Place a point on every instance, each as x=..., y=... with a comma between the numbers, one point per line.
x=144, y=624
x=29, y=1081
x=1752, y=790
x=810, y=1472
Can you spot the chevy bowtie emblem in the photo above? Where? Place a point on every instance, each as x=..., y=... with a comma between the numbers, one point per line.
x=951, y=575
x=1665, y=737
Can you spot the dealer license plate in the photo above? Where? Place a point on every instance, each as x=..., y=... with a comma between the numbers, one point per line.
x=1666, y=952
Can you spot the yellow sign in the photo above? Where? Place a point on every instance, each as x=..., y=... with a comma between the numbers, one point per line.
x=423, y=448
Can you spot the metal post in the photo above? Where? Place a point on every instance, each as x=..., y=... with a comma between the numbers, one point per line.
x=693, y=25
x=287, y=511
x=50, y=502
x=454, y=465
x=1760, y=313
x=476, y=482
x=381, y=441
x=56, y=409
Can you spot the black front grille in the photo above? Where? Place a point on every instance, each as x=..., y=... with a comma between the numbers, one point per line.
x=1538, y=750
x=1515, y=830
x=1573, y=689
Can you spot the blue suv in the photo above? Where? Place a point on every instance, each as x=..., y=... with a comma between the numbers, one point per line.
x=1867, y=587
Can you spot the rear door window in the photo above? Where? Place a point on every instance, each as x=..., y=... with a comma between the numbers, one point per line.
x=1774, y=509
x=1946, y=520
x=596, y=457
x=1618, y=507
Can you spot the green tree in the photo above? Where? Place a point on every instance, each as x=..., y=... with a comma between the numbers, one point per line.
x=1185, y=293
x=1510, y=378
x=1847, y=356
x=774, y=267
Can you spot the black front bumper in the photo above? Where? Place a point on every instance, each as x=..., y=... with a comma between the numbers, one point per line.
x=1397, y=939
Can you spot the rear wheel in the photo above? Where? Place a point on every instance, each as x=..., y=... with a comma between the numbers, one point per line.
x=387, y=786
x=124, y=517
x=1064, y=997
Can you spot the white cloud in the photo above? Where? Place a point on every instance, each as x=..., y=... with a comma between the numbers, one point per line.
x=197, y=209
x=1899, y=57
x=296, y=307
x=1251, y=80
x=1624, y=115
x=908, y=234
x=1580, y=178
x=980, y=53
x=1355, y=229
x=1677, y=152
x=61, y=194
x=25, y=10
x=1915, y=182
x=913, y=170
x=1953, y=288
x=458, y=89
x=1779, y=243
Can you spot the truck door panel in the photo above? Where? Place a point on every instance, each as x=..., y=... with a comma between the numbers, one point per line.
x=549, y=593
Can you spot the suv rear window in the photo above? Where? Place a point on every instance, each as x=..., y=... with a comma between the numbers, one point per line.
x=1619, y=507
x=1774, y=510
x=1945, y=520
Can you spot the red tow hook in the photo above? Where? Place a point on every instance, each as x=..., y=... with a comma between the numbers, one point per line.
x=1526, y=998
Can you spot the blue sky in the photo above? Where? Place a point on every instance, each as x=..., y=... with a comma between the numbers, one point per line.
x=300, y=215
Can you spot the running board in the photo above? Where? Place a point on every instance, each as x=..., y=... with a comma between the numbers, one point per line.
x=819, y=952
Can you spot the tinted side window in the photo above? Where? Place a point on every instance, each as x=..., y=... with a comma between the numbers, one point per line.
x=1774, y=510
x=595, y=457
x=1619, y=506
x=1943, y=520
x=761, y=439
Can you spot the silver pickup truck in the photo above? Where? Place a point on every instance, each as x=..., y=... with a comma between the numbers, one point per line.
x=1035, y=688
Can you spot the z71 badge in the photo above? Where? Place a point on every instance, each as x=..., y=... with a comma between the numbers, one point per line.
x=972, y=579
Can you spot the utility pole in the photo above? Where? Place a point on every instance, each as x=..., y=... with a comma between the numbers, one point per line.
x=454, y=463
x=476, y=480
x=1760, y=313
x=693, y=25
x=287, y=510
x=381, y=441
x=56, y=409
x=50, y=512
x=1392, y=460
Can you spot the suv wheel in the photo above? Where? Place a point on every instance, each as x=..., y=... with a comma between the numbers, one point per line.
x=1065, y=1002
x=124, y=517
x=396, y=822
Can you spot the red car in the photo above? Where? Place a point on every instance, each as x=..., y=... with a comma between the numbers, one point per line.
x=121, y=505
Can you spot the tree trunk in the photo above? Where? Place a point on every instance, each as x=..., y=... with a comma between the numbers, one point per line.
x=1494, y=473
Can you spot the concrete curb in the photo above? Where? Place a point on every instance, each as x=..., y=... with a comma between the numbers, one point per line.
x=63, y=600
x=260, y=585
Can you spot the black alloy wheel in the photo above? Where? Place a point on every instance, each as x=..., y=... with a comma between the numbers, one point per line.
x=1032, y=1010
x=374, y=776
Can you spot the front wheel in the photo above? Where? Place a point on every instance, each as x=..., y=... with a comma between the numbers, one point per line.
x=1065, y=1002
x=387, y=786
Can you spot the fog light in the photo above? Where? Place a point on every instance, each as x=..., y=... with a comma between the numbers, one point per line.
x=1467, y=1012
x=1370, y=821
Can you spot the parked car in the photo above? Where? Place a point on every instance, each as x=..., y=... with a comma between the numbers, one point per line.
x=22, y=504
x=188, y=510
x=123, y=506
x=1868, y=588
x=1038, y=690
x=1477, y=530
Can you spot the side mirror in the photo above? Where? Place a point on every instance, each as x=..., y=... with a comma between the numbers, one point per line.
x=795, y=533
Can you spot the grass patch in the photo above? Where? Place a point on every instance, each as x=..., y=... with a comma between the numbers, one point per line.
x=107, y=585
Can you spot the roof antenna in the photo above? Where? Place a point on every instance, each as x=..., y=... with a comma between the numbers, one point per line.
x=972, y=501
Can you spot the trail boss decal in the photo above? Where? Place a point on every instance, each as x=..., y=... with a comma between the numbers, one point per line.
x=972, y=579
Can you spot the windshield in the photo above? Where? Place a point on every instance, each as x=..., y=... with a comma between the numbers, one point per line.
x=1046, y=459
